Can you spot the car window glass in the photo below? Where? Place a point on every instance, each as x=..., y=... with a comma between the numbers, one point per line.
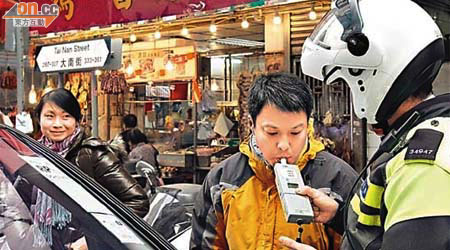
x=16, y=223
x=31, y=208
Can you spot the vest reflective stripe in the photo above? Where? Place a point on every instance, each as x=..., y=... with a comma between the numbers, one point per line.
x=365, y=219
x=373, y=196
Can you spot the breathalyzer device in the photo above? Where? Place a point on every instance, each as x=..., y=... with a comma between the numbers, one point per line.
x=296, y=208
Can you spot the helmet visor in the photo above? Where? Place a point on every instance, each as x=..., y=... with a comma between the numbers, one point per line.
x=344, y=17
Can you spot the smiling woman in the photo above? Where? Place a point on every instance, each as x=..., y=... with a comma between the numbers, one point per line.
x=59, y=116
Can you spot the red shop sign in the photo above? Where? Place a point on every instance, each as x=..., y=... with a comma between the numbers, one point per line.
x=82, y=14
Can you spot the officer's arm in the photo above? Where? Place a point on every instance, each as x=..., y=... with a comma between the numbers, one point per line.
x=418, y=208
x=430, y=233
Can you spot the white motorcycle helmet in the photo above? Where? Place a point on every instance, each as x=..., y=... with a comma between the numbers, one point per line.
x=384, y=50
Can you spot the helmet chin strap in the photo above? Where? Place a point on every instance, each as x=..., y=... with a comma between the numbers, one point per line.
x=382, y=127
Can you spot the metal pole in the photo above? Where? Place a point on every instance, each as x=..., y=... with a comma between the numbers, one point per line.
x=225, y=79
x=94, y=104
x=108, y=123
x=194, y=165
x=61, y=80
x=20, y=69
x=230, y=82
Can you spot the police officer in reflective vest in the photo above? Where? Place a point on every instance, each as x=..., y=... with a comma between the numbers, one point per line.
x=389, y=53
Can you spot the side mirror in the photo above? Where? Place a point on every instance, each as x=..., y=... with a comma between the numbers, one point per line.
x=144, y=168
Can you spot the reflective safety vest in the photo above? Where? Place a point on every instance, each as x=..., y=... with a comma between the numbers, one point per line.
x=413, y=183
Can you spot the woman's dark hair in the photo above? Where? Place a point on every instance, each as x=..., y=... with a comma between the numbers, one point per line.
x=63, y=99
x=285, y=91
x=135, y=136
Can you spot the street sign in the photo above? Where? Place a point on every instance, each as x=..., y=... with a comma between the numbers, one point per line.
x=73, y=56
x=115, y=55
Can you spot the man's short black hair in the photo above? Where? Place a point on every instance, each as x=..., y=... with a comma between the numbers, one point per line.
x=285, y=91
x=135, y=136
x=130, y=121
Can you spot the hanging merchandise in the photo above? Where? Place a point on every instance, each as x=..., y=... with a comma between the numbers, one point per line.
x=244, y=83
x=114, y=83
x=24, y=122
x=4, y=119
x=223, y=125
x=8, y=79
x=79, y=85
x=208, y=102
x=196, y=92
x=205, y=131
x=159, y=91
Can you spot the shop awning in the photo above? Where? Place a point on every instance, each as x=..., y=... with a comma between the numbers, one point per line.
x=75, y=16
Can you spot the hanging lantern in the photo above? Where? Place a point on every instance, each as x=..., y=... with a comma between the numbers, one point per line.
x=32, y=96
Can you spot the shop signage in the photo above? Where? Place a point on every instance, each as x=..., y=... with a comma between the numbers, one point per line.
x=81, y=14
x=146, y=64
x=72, y=56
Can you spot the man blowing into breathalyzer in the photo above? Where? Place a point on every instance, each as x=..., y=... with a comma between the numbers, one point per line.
x=239, y=206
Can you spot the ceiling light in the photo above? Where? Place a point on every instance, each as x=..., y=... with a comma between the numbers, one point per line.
x=236, y=61
x=169, y=65
x=133, y=38
x=130, y=70
x=157, y=34
x=312, y=14
x=213, y=28
x=184, y=31
x=245, y=24
x=32, y=96
x=276, y=18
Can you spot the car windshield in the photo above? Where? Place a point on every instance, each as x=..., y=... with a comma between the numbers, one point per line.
x=31, y=172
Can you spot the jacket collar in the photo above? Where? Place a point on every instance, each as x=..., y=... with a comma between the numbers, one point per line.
x=265, y=173
x=434, y=107
x=76, y=144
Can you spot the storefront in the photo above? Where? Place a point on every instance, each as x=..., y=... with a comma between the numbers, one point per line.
x=185, y=71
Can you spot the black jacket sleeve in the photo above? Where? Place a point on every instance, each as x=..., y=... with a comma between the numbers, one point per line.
x=208, y=229
x=429, y=233
x=102, y=164
x=203, y=231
